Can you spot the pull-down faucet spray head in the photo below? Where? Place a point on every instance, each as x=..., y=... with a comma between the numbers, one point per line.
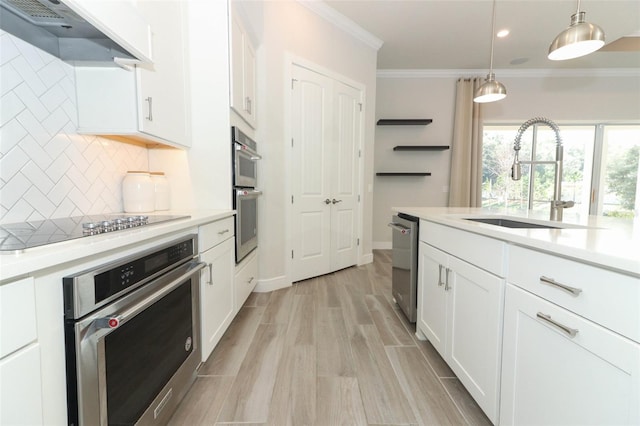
x=516, y=169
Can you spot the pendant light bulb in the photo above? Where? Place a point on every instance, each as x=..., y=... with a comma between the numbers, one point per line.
x=491, y=90
x=579, y=39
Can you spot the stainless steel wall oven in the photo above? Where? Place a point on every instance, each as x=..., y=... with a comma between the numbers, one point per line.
x=132, y=336
x=245, y=192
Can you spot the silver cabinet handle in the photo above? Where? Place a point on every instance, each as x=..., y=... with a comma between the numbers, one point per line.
x=224, y=231
x=250, y=280
x=327, y=201
x=403, y=229
x=570, y=331
x=247, y=102
x=334, y=201
x=447, y=286
x=573, y=290
x=210, y=266
x=440, y=283
x=150, y=100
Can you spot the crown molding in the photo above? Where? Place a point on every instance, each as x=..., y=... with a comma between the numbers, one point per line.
x=339, y=20
x=520, y=73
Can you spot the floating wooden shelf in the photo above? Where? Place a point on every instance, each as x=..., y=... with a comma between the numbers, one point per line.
x=404, y=122
x=420, y=147
x=403, y=174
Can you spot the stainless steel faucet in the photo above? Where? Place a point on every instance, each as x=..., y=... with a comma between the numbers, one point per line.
x=557, y=205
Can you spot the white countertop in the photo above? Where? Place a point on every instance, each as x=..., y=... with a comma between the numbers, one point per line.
x=17, y=265
x=603, y=241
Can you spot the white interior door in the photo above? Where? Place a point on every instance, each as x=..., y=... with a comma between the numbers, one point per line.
x=326, y=139
x=344, y=176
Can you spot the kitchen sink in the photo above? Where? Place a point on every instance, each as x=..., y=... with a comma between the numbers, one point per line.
x=510, y=223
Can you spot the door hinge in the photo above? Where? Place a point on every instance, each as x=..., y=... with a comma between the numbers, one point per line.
x=291, y=142
x=292, y=254
x=360, y=105
x=358, y=197
x=358, y=241
x=292, y=80
x=359, y=153
x=292, y=199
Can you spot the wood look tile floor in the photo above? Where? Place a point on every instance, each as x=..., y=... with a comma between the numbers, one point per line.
x=332, y=350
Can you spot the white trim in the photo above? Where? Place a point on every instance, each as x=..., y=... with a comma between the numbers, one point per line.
x=345, y=24
x=381, y=245
x=365, y=258
x=271, y=284
x=521, y=73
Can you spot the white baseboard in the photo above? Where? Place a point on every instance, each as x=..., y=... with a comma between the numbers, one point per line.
x=381, y=245
x=365, y=258
x=271, y=284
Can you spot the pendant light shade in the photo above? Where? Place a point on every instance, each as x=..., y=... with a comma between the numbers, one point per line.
x=490, y=90
x=579, y=39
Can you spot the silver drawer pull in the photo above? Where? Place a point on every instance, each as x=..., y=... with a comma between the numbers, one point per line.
x=440, y=283
x=568, y=289
x=224, y=231
x=250, y=280
x=570, y=331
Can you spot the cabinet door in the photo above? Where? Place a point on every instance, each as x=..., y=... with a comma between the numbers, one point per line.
x=432, y=297
x=474, y=333
x=551, y=377
x=243, y=72
x=162, y=89
x=21, y=388
x=249, y=80
x=216, y=294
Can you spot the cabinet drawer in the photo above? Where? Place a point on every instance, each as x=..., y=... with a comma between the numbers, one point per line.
x=245, y=280
x=484, y=252
x=214, y=233
x=605, y=297
x=17, y=315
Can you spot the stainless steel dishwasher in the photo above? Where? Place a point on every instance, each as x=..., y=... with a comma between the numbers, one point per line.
x=404, y=273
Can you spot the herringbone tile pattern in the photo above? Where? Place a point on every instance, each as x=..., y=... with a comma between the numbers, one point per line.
x=47, y=170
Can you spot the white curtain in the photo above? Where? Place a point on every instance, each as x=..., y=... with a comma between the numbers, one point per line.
x=465, y=184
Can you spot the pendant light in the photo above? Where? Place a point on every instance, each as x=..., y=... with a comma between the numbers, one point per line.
x=579, y=39
x=491, y=90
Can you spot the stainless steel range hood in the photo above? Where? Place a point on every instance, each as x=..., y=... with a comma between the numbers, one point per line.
x=57, y=29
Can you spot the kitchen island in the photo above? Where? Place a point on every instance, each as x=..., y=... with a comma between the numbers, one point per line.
x=529, y=317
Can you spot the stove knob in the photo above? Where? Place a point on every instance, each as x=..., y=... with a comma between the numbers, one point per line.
x=131, y=222
x=119, y=223
x=89, y=228
x=106, y=226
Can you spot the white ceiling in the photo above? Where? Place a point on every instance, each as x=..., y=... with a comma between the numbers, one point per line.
x=456, y=34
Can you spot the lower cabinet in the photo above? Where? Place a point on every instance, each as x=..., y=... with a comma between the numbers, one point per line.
x=460, y=312
x=20, y=378
x=246, y=279
x=560, y=368
x=216, y=286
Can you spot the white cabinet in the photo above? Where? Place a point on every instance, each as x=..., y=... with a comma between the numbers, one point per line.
x=460, y=312
x=216, y=245
x=570, y=347
x=120, y=21
x=243, y=71
x=20, y=381
x=246, y=278
x=149, y=102
x=560, y=368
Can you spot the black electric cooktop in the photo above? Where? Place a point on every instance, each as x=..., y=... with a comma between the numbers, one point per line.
x=21, y=236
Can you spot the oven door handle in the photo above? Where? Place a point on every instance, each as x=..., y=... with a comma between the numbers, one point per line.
x=121, y=318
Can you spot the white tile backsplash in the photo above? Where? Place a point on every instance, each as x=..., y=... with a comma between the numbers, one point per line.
x=47, y=170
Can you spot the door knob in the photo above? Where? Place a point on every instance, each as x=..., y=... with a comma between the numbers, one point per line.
x=334, y=201
x=327, y=201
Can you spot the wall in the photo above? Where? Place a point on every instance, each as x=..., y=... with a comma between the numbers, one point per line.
x=290, y=30
x=569, y=97
x=47, y=170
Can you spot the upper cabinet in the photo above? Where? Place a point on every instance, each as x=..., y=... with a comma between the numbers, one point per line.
x=148, y=102
x=243, y=71
x=120, y=21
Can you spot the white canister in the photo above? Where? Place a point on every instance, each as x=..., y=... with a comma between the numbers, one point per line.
x=138, y=194
x=161, y=189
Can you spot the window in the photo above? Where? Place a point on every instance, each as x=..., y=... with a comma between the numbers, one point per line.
x=598, y=159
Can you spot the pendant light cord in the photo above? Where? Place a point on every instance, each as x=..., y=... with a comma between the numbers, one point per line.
x=493, y=30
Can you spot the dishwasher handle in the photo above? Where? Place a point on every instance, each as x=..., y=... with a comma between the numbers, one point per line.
x=398, y=227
